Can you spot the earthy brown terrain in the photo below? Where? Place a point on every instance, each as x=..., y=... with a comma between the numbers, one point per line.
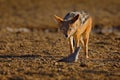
x=30, y=44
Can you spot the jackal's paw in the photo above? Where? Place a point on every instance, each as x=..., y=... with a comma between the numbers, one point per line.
x=87, y=57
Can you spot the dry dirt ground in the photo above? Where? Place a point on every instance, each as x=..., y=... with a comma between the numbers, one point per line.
x=30, y=44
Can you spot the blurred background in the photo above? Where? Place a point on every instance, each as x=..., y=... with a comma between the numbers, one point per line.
x=39, y=13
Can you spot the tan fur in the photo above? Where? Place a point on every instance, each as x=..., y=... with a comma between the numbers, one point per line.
x=81, y=34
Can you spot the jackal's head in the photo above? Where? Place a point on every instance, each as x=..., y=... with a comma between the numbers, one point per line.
x=68, y=27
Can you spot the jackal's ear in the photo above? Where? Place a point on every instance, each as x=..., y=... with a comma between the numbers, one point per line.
x=74, y=19
x=59, y=20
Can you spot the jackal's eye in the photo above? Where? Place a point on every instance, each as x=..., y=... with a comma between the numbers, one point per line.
x=70, y=29
x=62, y=29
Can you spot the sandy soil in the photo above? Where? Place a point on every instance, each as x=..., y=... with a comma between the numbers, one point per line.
x=30, y=44
x=39, y=13
x=33, y=55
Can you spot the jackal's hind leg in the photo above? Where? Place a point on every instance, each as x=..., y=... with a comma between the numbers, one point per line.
x=86, y=36
x=86, y=40
x=86, y=47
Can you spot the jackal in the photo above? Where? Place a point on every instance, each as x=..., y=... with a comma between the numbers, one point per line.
x=76, y=26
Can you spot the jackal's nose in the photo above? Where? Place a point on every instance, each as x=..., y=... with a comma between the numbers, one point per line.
x=66, y=35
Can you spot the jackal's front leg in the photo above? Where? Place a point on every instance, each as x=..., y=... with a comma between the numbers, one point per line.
x=77, y=41
x=71, y=44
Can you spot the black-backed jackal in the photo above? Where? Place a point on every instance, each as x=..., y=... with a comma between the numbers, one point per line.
x=76, y=26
